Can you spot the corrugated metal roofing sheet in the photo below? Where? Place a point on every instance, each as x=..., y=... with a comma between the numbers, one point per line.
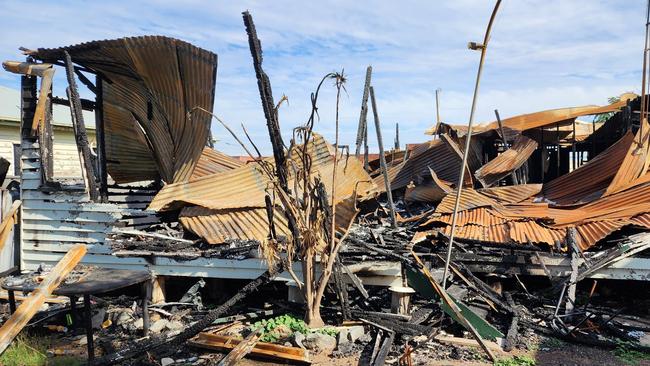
x=218, y=226
x=151, y=84
x=507, y=162
x=443, y=156
x=481, y=216
x=634, y=163
x=469, y=198
x=212, y=161
x=549, y=117
x=589, y=181
x=512, y=194
x=246, y=186
x=592, y=232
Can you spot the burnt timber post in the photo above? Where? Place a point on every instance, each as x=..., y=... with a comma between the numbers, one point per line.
x=515, y=181
x=362, y=134
x=80, y=130
x=101, y=140
x=382, y=159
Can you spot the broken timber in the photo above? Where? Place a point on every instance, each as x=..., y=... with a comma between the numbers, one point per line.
x=80, y=131
x=261, y=349
x=242, y=349
x=30, y=306
x=452, y=307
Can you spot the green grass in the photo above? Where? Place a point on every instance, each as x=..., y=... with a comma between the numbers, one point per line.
x=515, y=361
x=630, y=356
x=31, y=351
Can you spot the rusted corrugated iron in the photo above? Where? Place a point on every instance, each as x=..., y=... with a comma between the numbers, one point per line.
x=431, y=191
x=212, y=161
x=469, y=198
x=507, y=162
x=242, y=187
x=512, y=194
x=553, y=117
x=481, y=216
x=592, y=232
x=532, y=232
x=589, y=181
x=231, y=204
x=633, y=165
x=218, y=226
x=561, y=115
x=150, y=85
x=443, y=156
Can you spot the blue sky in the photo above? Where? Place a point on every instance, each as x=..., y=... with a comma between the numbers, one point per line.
x=543, y=54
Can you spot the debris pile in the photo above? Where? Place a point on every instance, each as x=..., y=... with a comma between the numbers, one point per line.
x=484, y=239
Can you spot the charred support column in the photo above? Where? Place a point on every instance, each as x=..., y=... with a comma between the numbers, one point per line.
x=573, y=147
x=80, y=130
x=557, y=153
x=515, y=181
x=101, y=140
x=362, y=134
x=382, y=159
x=396, y=136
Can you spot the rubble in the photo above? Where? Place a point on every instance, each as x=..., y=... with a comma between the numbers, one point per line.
x=470, y=246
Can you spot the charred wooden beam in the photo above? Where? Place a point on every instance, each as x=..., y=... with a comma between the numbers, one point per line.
x=46, y=144
x=382, y=158
x=27, y=103
x=84, y=80
x=86, y=105
x=166, y=345
x=101, y=138
x=32, y=304
x=80, y=131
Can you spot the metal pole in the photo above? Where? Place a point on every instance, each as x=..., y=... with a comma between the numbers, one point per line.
x=364, y=113
x=461, y=176
x=437, y=112
x=382, y=158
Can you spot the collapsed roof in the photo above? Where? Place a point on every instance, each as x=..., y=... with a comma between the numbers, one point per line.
x=150, y=84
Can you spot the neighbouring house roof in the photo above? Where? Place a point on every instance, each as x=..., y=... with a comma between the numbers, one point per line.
x=151, y=83
x=10, y=111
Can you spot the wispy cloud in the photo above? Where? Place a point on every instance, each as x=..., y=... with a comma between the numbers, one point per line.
x=543, y=54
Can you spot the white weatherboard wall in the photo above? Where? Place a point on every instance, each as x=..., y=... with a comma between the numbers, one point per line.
x=52, y=223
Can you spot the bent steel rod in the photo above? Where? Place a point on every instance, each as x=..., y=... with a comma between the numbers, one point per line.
x=461, y=176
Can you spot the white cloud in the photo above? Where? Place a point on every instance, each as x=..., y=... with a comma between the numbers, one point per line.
x=543, y=54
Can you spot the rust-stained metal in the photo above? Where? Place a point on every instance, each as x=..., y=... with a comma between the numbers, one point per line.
x=507, y=162
x=561, y=115
x=633, y=165
x=469, y=198
x=218, y=226
x=430, y=191
x=231, y=204
x=512, y=194
x=242, y=187
x=589, y=181
x=212, y=161
x=443, y=156
x=151, y=84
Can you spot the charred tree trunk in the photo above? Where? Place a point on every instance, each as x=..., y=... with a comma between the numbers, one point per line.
x=266, y=94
